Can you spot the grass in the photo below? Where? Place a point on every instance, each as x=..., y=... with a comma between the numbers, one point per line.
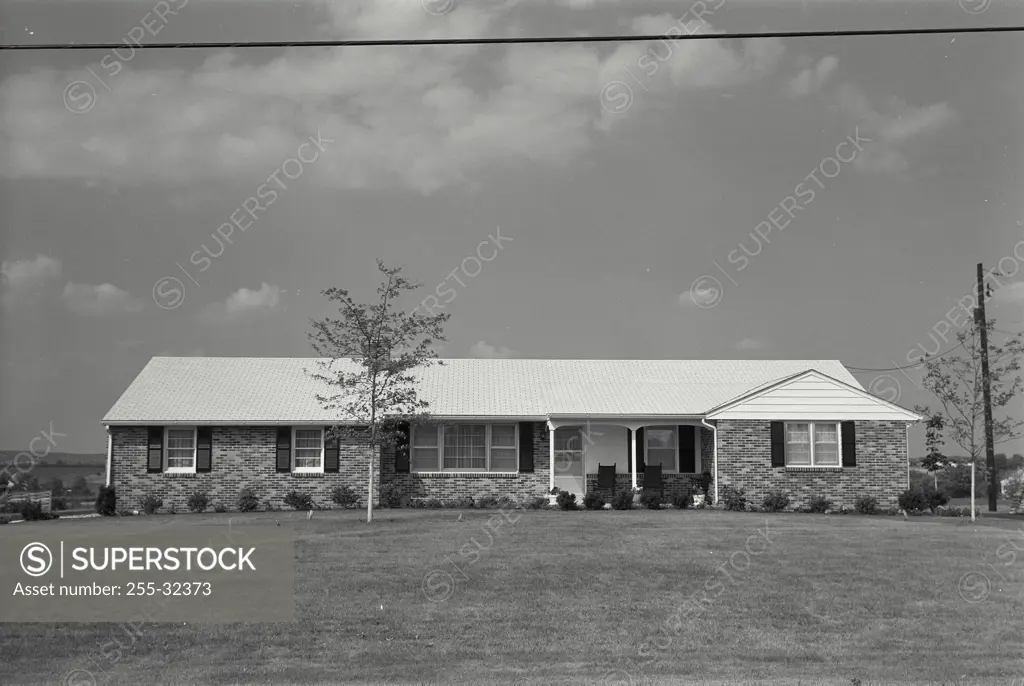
x=568, y=597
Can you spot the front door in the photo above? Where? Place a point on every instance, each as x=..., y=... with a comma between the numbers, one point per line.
x=569, y=460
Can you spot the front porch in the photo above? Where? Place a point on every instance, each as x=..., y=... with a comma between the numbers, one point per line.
x=683, y=446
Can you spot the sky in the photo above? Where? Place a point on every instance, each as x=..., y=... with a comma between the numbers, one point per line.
x=801, y=198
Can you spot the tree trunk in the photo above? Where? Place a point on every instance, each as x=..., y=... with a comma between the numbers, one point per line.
x=972, y=490
x=369, y=497
x=935, y=480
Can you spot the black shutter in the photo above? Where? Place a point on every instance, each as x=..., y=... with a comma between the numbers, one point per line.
x=402, y=438
x=332, y=452
x=849, y=444
x=204, y=449
x=641, y=450
x=778, y=444
x=687, y=452
x=526, y=447
x=284, y=448
x=155, y=460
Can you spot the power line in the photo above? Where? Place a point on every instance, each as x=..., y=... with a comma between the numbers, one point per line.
x=894, y=369
x=510, y=40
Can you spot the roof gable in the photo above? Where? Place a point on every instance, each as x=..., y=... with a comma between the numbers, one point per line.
x=811, y=395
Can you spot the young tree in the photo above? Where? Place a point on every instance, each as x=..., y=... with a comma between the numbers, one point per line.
x=934, y=461
x=369, y=354
x=80, y=486
x=955, y=381
x=56, y=486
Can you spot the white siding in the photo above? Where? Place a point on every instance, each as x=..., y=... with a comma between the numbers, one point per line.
x=812, y=398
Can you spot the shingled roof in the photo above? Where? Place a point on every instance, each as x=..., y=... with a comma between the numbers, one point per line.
x=270, y=390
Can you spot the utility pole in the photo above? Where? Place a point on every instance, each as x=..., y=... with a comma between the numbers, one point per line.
x=986, y=385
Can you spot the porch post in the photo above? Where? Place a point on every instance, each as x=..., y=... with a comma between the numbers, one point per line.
x=551, y=455
x=632, y=470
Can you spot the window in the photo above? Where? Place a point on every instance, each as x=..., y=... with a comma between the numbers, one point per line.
x=308, y=450
x=465, y=448
x=812, y=444
x=661, y=447
x=180, y=449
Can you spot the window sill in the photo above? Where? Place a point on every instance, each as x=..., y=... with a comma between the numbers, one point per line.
x=814, y=469
x=442, y=475
x=179, y=474
x=307, y=474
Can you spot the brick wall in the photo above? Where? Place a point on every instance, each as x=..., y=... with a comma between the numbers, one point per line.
x=452, y=486
x=242, y=456
x=744, y=459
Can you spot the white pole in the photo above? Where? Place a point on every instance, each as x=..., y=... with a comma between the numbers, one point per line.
x=551, y=457
x=632, y=433
x=110, y=454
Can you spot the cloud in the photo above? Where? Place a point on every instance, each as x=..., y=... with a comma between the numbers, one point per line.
x=750, y=344
x=99, y=301
x=419, y=117
x=812, y=79
x=484, y=350
x=26, y=281
x=892, y=127
x=244, y=305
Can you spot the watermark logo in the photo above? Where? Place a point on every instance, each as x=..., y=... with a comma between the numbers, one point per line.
x=706, y=292
x=79, y=97
x=36, y=559
x=438, y=7
x=886, y=387
x=438, y=585
x=974, y=6
x=616, y=97
x=168, y=292
x=974, y=587
x=78, y=677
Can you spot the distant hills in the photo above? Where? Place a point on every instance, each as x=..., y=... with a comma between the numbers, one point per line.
x=54, y=458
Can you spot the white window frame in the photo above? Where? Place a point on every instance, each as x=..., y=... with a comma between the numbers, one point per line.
x=675, y=433
x=488, y=430
x=810, y=430
x=195, y=448
x=323, y=445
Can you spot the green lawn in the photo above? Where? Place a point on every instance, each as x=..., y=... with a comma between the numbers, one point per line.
x=568, y=597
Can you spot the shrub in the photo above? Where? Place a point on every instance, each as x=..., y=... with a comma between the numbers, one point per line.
x=593, y=500
x=299, y=501
x=33, y=512
x=344, y=496
x=555, y=490
x=465, y=502
x=247, y=500
x=866, y=504
x=681, y=500
x=819, y=504
x=198, y=502
x=537, y=503
x=504, y=502
x=150, y=504
x=488, y=502
x=106, y=501
x=566, y=500
x=623, y=500
x=705, y=482
x=776, y=501
x=921, y=498
x=433, y=503
x=219, y=507
x=59, y=503
x=651, y=500
x=389, y=494
x=956, y=511
x=734, y=499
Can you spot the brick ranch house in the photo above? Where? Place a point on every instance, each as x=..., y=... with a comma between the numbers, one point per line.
x=512, y=427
